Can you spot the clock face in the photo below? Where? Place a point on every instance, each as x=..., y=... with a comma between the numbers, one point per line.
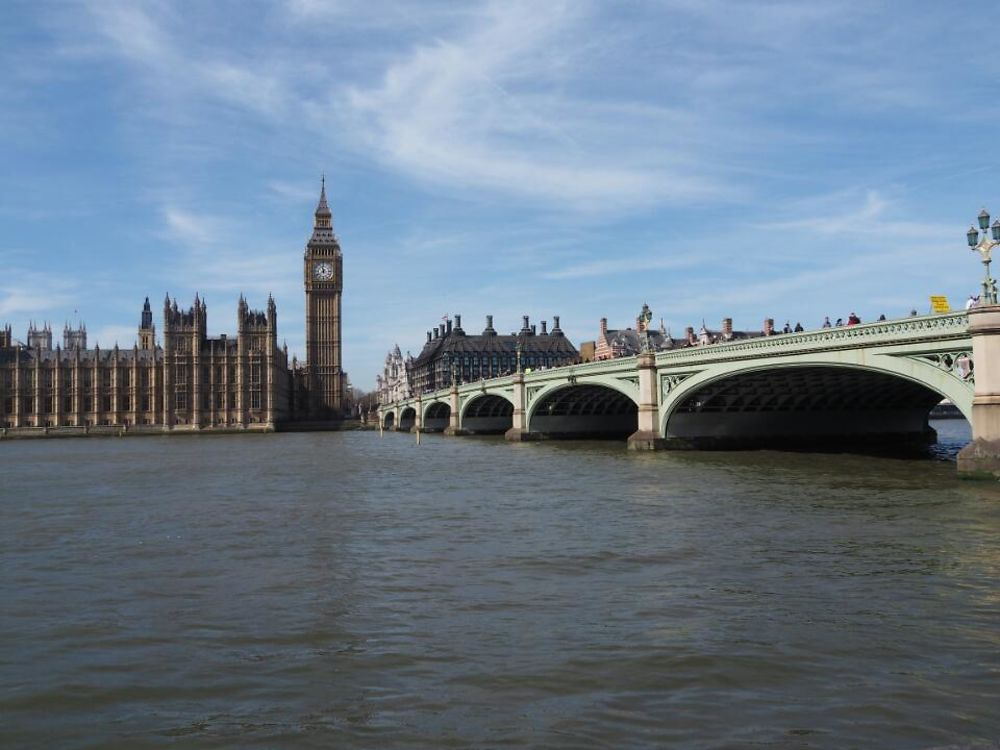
x=323, y=271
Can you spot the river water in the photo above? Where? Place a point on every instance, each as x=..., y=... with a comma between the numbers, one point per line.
x=349, y=590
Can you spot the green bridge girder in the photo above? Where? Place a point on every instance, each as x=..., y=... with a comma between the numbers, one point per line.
x=934, y=351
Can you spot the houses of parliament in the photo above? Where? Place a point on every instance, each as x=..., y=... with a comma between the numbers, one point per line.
x=188, y=381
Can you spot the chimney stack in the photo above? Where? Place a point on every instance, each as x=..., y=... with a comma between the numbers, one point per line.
x=458, y=322
x=448, y=326
x=604, y=326
x=545, y=328
x=727, y=328
x=689, y=331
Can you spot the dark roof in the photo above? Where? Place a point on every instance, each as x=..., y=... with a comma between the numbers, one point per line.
x=68, y=356
x=460, y=343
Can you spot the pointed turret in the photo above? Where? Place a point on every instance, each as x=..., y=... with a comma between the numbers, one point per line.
x=323, y=224
x=147, y=331
x=322, y=209
x=272, y=312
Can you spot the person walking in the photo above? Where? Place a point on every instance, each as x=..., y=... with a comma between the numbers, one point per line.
x=799, y=328
x=826, y=322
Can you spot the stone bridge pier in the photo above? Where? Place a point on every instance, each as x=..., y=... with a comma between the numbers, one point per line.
x=981, y=457
x=647, y=436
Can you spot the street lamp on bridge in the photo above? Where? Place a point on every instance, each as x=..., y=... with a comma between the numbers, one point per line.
x=984, y=246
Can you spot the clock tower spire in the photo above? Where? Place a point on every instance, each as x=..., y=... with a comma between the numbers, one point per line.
x=323, y=264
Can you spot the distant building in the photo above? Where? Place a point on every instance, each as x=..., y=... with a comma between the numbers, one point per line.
x=394, y=382
x=320, y=384
x=450, y=349
x=614, y=343
x=192, y=381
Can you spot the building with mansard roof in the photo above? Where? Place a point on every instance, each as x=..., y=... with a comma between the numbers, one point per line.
x=450, y=353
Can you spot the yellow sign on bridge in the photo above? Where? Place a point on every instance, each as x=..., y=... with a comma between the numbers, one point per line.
x=939, y=304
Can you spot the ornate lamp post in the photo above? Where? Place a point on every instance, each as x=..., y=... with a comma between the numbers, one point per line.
x=984, y=246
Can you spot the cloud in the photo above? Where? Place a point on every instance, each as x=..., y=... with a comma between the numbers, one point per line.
x=211, y=252
x=854, y=213
x=188, y=227
x=26, y=292
x=109, y=335
x=622, y=267
x=293, y=192
x=135, y=33
x=484, y=111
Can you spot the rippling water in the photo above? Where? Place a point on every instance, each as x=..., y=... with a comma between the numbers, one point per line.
x=347, y=590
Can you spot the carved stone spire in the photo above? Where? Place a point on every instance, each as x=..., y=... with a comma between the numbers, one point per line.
x=323, y=225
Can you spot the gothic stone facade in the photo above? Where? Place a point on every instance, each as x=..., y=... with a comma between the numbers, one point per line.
x=321, y=385
x=394, y=382
x=191, y=382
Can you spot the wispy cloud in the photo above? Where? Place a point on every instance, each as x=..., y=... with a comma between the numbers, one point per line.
x=109, y=335
x=711, y=157
x=853, y=213
x=26, y=292
x=622, y=267
x=483, y=111
x=188, y=227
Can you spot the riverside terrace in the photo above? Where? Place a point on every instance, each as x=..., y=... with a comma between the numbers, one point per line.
x=873, y=383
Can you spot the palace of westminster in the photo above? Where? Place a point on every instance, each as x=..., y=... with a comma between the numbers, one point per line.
x=190, y=381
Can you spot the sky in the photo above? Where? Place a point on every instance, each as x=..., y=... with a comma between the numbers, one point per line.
x=712, y=158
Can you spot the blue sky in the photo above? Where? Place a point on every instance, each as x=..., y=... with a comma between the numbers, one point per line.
x=710, y=157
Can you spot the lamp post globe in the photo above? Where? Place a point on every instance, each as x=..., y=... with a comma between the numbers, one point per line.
x=981, y=242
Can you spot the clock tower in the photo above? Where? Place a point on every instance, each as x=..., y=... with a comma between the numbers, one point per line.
x=323, y=282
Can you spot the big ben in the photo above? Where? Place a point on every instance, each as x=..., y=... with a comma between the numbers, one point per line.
x=323, y=266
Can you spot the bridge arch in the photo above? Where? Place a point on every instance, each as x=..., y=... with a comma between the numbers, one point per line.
x=389, y=420
x=487, y=413
x=588, y=409
x=878, y=401
x=437, y=415
x=407, y=418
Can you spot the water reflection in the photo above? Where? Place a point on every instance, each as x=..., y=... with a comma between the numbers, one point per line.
x=353, y=591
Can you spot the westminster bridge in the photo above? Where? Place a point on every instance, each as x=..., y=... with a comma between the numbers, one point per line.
x=864, y=384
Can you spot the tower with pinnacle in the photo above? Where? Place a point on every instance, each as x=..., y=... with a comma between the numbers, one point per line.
x=322, y=266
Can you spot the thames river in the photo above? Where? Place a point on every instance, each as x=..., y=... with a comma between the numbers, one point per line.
x=342, y=590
